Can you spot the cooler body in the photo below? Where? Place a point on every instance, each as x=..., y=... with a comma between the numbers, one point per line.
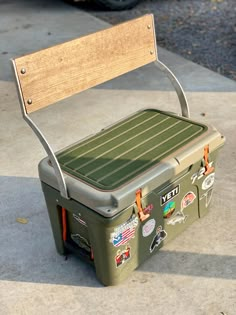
x=133, y=187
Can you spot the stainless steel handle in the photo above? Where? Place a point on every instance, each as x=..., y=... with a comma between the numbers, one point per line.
x=178, y=88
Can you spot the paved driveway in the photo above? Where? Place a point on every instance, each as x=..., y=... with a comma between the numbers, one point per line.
x=195, y=274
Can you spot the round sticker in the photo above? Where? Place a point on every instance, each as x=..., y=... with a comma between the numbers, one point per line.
x=208, y=181
x=148, y=227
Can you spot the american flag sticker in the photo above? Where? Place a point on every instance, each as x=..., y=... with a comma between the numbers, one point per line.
x=123, y=233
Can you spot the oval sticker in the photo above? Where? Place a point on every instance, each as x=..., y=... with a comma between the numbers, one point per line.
x=148, y=227
x=208, y=181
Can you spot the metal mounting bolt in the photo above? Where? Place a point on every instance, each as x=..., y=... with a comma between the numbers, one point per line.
x=151, y=52
x=23, y=71
x=149, y=26
x=29, y=101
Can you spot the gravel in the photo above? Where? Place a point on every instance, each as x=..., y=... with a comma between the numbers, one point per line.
x=203, y=31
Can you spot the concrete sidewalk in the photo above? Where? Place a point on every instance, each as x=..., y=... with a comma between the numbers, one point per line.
x=194, y=274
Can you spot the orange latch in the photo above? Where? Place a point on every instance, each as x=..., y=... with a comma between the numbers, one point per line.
x=208, y=169
x=91, y=254
x=64, y=225
x=141, y=214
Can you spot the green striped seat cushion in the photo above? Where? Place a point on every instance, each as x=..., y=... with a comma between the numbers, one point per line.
x=116, y=155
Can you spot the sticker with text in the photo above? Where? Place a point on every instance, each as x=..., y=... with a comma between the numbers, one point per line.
x=168, y=209
x=124, y=232
x=199, y=174
x=123, y=256
x=208, y=181
x=188, y=199
x=158, y=238
x=148, y=227
x=169, y=195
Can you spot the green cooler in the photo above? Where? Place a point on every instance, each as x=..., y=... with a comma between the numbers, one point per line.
x=118, y=196
x=133, y=187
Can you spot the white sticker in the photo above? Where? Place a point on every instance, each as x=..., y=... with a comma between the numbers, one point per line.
x=207, y=196
x=148, y=227
x=180, y=217
x=208, y=181
x=169, y=195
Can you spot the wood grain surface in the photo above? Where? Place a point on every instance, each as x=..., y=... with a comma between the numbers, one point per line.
x=55, y=73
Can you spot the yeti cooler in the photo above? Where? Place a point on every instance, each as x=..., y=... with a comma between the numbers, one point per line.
x=133, y=187
x=118, y=196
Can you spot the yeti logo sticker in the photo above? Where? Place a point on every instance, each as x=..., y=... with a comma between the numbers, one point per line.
x=169, y=195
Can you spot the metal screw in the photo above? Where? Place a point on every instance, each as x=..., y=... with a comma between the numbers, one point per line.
x=29, y=101
x=151, y=52
x=23, y=71
x=149, y=26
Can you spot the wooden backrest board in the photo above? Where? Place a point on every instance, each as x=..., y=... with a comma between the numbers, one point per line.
x=52, y=74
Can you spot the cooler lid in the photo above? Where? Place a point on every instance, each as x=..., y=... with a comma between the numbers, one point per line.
x=117, y=155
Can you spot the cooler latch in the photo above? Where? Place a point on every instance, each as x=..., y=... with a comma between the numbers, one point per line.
x=208, y=168
x=142, y=215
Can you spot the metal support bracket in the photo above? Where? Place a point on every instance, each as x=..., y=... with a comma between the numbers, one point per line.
x=178, y=88
x=52, y=157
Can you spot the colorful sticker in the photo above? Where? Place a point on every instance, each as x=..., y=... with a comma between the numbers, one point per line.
x=78, y=219
x=180, y=217
x=123, y=233
x=148, y=227
x=123, y=256
x=148, y=209
x=158, y=238
x=188, y=199
x=168, y=209
x=208, y=181
x=169, y=195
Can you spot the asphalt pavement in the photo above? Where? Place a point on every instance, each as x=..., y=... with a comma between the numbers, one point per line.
x=195, y=273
